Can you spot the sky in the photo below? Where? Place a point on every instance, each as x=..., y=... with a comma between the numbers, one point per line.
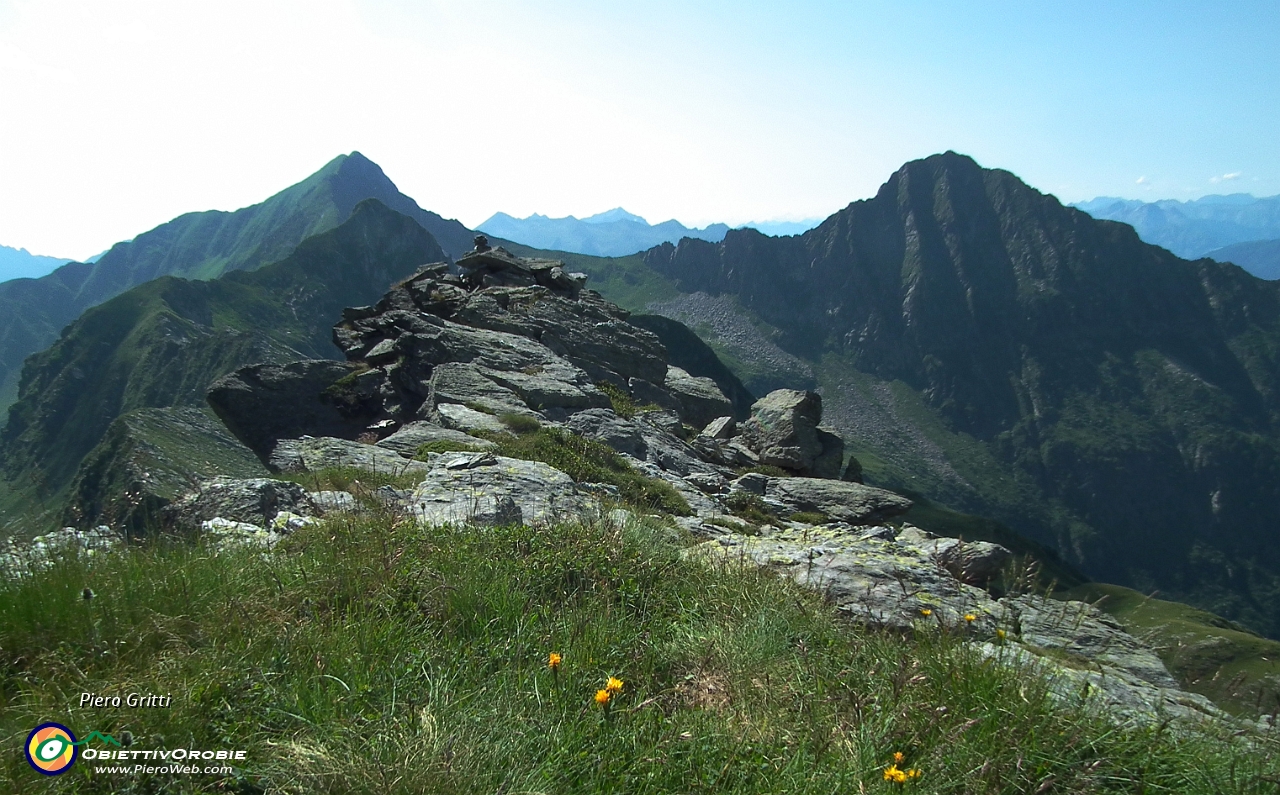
x=119, y=115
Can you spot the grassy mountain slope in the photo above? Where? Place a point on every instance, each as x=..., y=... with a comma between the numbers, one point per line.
x=161, y=343
x=372, y=655
x=200, y=245
x=985, y=346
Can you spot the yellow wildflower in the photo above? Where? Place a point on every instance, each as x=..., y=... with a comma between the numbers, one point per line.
x=614, y=685
x=926, y=612
x=892, y=773
x=898, y=757
x=602, y=697
x=970, y=617
x=1000, y=634
x=913, y=773
x=553, y=660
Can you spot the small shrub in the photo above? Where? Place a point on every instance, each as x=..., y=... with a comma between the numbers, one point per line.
x=808, y=517
x=445, y=446
x=589, y=461
x=520, y=424
x=766, y=469
x=750, y=507
x=622, y=403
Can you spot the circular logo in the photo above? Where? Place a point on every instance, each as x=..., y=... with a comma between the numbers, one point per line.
x=51, y=748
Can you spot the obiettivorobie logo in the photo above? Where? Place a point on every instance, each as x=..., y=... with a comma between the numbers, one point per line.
x=51, y=748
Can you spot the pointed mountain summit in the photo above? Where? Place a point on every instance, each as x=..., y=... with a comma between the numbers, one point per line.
x=1039, y=366
x=202, y=245
x=616, y=214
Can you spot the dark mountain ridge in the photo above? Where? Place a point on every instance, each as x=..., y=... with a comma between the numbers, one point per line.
x=161, y=343
x=1133, y=392
x=200, y=245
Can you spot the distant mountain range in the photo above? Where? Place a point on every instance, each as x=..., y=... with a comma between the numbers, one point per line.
x=1259, y=257
x=613, y=233
x=18, y=263
x=1194, y=229
x=200, y=245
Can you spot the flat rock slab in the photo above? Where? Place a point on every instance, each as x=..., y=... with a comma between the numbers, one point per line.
x=847, y=502
x=408, y=439
x=460, y=418
x=324, y=452
x=487, y=489
x=873, y=580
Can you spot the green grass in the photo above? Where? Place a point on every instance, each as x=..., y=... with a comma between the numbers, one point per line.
x=622, y=403
x=445, y=446
x=1209, y=655
x=353, y=479
x=373, y=655
x=589, y=461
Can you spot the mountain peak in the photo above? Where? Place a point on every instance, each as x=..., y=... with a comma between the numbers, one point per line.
x=616, y=214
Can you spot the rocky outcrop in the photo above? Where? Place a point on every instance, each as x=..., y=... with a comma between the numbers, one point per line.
x=507, y=336
x=882, y=577
x=264, y=403
x=845, y=502
x=254, y=501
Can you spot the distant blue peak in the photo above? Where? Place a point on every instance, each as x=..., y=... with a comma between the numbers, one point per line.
x=616, y=214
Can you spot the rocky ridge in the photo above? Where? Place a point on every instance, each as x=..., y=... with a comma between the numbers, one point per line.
x=499, y=342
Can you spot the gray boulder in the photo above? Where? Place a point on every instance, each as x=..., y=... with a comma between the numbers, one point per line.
x=253, y=501
x=464, y=419
x=701, y=401
x=783, y=428
x=973, y=562
x=847, y=502
x=488, y=489
x=640, y=440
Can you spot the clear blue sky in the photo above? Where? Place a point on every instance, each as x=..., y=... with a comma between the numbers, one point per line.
x=121, y=114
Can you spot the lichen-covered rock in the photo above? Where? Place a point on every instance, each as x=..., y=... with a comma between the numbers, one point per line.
x=870, y=579
x=847, y=502
x=19, y=558
x=974, y=562
x=482, y=488
x=314, y=454
x=250, y=500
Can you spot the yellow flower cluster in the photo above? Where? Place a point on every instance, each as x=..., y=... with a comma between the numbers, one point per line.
x=896, y=774
x=553, y=660
x=611, y=689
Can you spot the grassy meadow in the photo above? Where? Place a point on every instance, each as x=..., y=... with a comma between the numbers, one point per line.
x=369, y=654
